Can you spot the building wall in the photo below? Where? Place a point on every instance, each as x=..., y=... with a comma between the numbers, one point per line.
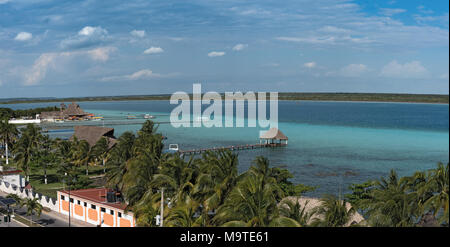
x=82, y=209
x=14, y=179
x=45, y=201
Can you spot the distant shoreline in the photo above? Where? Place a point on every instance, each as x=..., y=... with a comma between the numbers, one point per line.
x=327, y=97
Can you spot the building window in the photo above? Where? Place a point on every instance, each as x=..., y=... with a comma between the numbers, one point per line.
x=85, y=204
x=71, y=200
x=103, y=210
x=111, y=212
x=62, y=197
x=93, y=206
x=78, y=202
x=119, y=214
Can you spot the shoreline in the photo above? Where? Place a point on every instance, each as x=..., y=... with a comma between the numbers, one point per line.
x=282, y=96
x=308, y=100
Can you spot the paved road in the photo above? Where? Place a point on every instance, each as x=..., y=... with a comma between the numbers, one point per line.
x=11, y=224
x=52, y=219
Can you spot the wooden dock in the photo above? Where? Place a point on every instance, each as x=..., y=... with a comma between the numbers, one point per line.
x=231, y=148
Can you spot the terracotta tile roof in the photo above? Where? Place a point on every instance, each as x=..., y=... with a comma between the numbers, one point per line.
x=97, y=195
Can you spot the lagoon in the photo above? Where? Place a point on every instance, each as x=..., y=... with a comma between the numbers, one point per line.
x=331, y=144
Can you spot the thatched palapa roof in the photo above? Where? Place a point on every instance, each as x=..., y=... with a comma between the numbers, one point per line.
x=92, y=134
x=74, y=110
x=273, y=133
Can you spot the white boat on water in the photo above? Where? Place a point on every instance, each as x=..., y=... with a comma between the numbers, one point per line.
x=148, y=116
x=173, y=147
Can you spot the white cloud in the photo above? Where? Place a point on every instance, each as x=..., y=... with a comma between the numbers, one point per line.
x=39, y=69
x=216, y=54
x=153, y=50
x=23, y=36
x=86, y=37
x=332, y=29
x=141, y=74
x=101, y=53
x=310, y=65
x=47, y=61
x=444, y=76
x=176, y=39
x=422, y=9
x=138, y=33
x=353, y=70
x=4, y=1
x=240, y=47
x=391, y=12
x=412, y=70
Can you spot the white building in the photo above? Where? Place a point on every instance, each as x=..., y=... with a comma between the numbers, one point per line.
x=12, y=177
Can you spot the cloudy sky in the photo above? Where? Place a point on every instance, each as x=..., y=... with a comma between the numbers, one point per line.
x=63, y=48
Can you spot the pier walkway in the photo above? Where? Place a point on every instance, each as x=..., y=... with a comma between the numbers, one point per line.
x=232, y=148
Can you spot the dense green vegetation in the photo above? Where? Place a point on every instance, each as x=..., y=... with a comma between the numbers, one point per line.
x=10, y=113
x=377, y=97
x=209, y=191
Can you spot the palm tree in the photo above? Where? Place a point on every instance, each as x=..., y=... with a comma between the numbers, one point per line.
x=8, y=134
x=44, y=156
x=100, y=151
x=391, y=204
x=184, y=215
x=33, y=206
x=438, y=185
x=27, y=147
x=252, y=203
x=83, y=155
x=333, y=212
x=218, y=176
x=295, y=211
x=119, y=155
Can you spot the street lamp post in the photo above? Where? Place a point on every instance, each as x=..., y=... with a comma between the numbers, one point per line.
x=162, y=207
x=69, y=183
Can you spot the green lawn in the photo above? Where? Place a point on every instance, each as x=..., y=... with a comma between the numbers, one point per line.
x=54, y=182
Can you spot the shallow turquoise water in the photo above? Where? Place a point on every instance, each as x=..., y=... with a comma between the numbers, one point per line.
x=331, y=144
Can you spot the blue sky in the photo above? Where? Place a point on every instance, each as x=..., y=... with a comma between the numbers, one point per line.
x=59, y=48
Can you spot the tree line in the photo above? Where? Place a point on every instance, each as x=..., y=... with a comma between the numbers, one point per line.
x=10, y=113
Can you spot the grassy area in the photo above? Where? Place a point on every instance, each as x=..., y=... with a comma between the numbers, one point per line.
x=378, y=97
x=54, y=182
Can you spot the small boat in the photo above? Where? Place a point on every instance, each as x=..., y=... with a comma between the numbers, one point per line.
x=131, y=117
x=97, y=118
x=173, y=148
x=59, y=120
x=148, y=116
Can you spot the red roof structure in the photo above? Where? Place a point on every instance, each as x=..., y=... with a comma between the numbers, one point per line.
x=97, y=195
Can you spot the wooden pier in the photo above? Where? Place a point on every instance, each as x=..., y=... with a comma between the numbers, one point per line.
x=231, y=148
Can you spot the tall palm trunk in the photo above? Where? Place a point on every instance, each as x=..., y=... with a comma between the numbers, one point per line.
x=87, y=170
x=45, y=174
x=6, y=153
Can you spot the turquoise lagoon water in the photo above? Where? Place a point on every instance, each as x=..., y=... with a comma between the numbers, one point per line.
x=331, y=144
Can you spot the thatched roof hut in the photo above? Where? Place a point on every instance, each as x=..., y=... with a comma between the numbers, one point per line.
x=272, y=135
x=92, y=134
x=74, y=110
